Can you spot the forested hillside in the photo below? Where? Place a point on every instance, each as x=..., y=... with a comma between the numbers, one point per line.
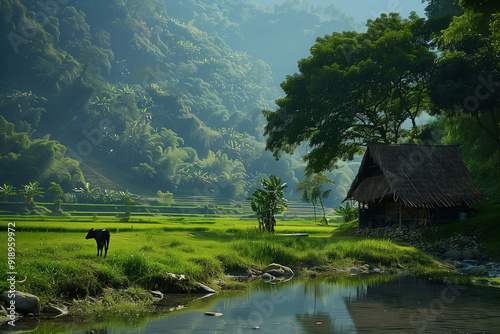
x=162, y=95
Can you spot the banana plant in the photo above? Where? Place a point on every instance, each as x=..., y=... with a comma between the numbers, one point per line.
x=268, y=201
x=7, y=190
x=348, y=212
x=31, y=190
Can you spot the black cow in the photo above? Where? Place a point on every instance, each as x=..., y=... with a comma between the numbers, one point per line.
x=102, y=239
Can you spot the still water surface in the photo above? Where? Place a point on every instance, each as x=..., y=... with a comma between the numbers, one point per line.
x=401, y=305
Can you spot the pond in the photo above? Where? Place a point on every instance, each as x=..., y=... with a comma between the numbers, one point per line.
x=382, y=304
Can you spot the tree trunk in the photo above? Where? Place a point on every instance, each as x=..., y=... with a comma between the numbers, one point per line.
x=322, y=207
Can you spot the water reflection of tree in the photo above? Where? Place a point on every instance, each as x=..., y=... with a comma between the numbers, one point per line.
x=318, y=324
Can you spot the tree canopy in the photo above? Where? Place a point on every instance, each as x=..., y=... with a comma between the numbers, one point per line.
x=374, y=86
x=355, y=87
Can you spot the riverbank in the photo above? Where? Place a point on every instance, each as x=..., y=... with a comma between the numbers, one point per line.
x=60, y=265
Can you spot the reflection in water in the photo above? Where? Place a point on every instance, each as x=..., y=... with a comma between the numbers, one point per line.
x=317, y=323
x=412, y=305
x=97, y=331
x=404, y=305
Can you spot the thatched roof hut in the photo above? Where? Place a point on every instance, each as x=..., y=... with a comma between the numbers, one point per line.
x=417, y=175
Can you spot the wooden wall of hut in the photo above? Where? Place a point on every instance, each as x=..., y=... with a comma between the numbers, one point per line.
x=397, y=214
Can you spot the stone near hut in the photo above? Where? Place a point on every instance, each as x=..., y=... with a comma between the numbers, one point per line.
x=25, y=302
x=467, y=255
x=354, y=271
x=364, y=269
x=475, y=271
x=476, y=253
x=452, y=254
x=277, y=270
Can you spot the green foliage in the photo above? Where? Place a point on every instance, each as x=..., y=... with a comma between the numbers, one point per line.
x=437, y=8
x=333, y=104
x=268, y=201
x=312, y=189
x=30, y=191
x=128, y=202
x=135, y=265
x=23, y=160
x=349, y=212
x=464, y=90
x=166, y=198
x=7, y=190
x=57, y=192
x=156, y=123
x=144, y=257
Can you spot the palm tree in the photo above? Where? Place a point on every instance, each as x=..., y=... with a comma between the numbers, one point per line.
x=313, y=190
x=145, y=115
x=7, y=190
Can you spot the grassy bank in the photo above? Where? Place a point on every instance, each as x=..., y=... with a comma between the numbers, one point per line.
x=59, y=262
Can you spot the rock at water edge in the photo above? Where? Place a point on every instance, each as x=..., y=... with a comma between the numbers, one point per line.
x=277, y=270
x=25, y=302
x=202, y=288
x=268, y=277
x=452, y=254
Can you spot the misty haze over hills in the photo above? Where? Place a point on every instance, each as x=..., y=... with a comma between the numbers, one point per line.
x=364, y=9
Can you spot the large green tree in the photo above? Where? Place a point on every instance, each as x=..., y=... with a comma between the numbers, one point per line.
x=467, y=80
x=465, y=90
x=354, y=88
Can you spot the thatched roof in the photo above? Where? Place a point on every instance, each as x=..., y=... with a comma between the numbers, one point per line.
x=417, y=175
